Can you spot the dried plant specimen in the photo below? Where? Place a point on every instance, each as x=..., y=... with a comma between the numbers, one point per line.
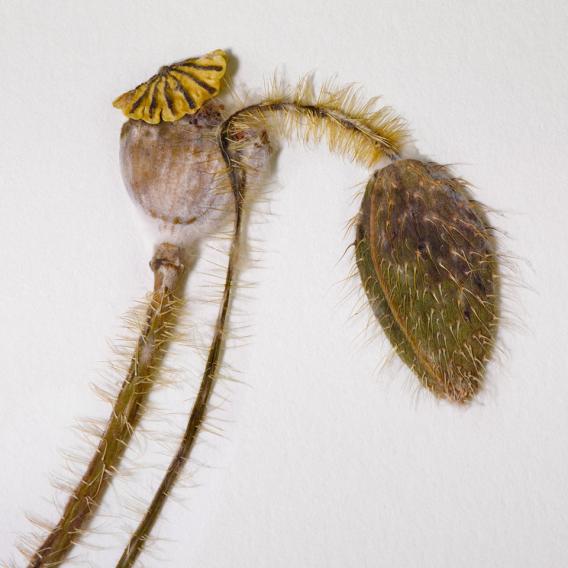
x=175, y=172
x=424, y=250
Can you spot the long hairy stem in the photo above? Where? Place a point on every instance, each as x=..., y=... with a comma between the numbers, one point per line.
x=126, y=412
x=366, y=135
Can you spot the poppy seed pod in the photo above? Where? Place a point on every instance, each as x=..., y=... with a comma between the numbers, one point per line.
x=175, y=171
x=428, y=264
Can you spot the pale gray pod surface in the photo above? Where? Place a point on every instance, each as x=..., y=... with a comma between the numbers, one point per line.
x=176, y=173
x=173, y=170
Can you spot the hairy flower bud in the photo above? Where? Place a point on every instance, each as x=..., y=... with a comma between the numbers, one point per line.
x=427, y=261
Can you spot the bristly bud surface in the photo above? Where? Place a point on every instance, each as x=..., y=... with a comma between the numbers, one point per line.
x=427, y=260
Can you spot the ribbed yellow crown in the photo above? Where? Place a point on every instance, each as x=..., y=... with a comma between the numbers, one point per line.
x=176, y=90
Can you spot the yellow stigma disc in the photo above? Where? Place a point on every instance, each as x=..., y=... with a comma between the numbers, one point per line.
x=176, y=90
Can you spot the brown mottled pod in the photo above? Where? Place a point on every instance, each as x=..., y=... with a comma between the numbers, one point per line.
x=428, y=264
x=176, y=173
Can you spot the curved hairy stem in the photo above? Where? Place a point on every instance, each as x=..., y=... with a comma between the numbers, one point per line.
x=366, y=135
x=126, y=412
x=359, y=129
x=317, y=116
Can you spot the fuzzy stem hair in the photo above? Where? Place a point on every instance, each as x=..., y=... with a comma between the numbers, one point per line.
x=358, y=130
x=355, y=128
x=126, y=412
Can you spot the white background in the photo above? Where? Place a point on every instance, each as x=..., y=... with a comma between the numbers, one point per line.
x=327, y=458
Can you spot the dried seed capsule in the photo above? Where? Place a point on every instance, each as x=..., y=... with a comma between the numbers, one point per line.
x=171, y=169
x=176, y=173
x=428, y=264
x=172, y=164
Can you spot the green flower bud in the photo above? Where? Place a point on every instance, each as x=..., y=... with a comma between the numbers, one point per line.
x=428, y=264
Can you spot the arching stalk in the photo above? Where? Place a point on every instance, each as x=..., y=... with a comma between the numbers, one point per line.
x=382, y=136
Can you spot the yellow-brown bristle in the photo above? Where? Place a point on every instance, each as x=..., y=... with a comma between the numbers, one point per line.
x=354, y=127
